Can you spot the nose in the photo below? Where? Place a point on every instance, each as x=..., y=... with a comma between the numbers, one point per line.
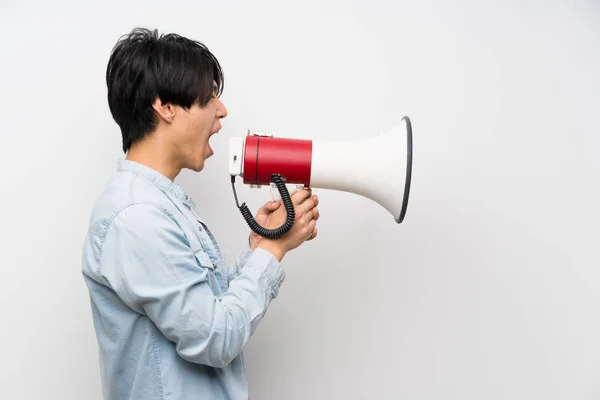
x=221, y=110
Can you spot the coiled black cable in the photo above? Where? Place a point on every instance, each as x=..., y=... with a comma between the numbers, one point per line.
x=287, y=202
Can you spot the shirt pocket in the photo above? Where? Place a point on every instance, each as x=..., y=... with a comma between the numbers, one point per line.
x=203, y=258
x=213, y=277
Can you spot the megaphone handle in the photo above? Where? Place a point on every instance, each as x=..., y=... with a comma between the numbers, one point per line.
x=290, y=187
x=287, y=203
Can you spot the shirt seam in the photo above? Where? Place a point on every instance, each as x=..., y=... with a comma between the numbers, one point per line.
x=157, y=362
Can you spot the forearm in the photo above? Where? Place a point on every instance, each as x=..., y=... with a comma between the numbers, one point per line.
x=240, y=260
x=268, y=245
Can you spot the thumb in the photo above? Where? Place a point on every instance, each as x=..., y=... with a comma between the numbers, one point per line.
x=274, y=205
x=269, y=207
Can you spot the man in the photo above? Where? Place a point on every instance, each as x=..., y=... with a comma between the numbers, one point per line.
x=170, y=317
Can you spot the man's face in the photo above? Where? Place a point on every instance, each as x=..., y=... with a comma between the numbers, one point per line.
x=193, y=129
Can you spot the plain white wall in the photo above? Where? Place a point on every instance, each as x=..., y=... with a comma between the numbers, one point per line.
x=489, y=290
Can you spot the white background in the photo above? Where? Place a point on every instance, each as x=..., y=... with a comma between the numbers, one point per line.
x=490, y=289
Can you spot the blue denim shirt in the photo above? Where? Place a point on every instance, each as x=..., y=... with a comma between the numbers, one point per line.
x=171, y=318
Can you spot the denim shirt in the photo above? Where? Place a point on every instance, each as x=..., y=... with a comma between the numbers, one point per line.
x=171, y=318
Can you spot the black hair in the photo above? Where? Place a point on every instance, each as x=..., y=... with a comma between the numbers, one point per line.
x=144, y=65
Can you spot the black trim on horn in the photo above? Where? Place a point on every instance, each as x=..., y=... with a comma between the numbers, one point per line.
x=409, y=156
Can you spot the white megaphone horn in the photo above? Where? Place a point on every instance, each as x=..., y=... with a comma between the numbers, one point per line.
x=378, y=168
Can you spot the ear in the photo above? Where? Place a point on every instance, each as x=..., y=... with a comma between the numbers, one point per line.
x=165, y=111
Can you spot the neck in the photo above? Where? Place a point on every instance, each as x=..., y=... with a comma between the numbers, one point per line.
x=155, y=154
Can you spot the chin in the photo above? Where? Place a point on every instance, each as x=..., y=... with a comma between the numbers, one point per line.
x=200, y=165
x=198, y=168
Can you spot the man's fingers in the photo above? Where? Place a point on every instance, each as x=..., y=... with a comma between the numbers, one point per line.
x=307, y=217
x=306, y=207
x=312, y=225
x=300, y=196
x=269, y=207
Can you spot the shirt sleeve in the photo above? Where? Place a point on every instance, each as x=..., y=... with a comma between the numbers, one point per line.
x=238, y=263
x=147, y=261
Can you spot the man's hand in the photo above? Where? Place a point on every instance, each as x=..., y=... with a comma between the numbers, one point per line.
x=266, y=211
x=262, y=216
x=304, y=228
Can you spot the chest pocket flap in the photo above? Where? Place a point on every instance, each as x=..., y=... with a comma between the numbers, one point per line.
x=203, y=258
x=191, y=234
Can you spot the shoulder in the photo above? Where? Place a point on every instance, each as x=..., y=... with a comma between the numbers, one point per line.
x=128, y=196
x=132, y=209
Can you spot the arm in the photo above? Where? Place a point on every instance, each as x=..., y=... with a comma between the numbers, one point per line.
x=253, y=240
x=148, y=263
x=234, y=269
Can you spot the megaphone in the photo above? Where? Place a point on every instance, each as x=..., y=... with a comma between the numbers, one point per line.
x=377, y=168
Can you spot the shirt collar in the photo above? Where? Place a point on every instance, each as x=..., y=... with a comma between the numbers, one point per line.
x=158, y=179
